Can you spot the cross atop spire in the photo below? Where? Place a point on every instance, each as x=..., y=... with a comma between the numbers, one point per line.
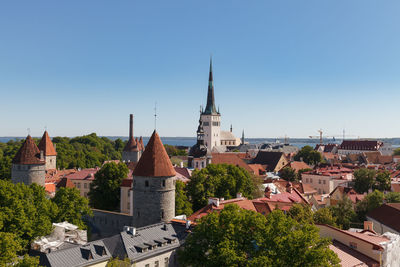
x=210, y=107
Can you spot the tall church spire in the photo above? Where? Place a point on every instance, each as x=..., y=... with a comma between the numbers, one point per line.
x=210, y=108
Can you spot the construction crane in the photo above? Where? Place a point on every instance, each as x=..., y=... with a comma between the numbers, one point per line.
x=320, y=136
x=331, y=136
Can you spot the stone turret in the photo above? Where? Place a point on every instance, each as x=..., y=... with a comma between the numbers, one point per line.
x=28, y=165
x=131, y=151
x=153, y=185
x=49, y=152
x=199, y=156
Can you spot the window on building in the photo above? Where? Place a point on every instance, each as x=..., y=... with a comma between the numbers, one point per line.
x=197, y=165
x=129, y=206
x=306, y=180
x=310, y=180
x=324, y=182
x=129, y=193
x=85, y=194
x=319, y=191
x=202, y=164
x=163, y=183
x=85, y=185
x=162, y=214
x=147, y=265
x=166, y=261
x=353, y=245
x=79, y=185
x=156, y=264
x=319, y=181
x=146, y=183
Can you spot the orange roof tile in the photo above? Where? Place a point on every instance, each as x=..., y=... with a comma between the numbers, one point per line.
x=65, y=182
x=50, y=187
x=298, y=165
x=154, y=161
x=46, y=145
x=28, y=153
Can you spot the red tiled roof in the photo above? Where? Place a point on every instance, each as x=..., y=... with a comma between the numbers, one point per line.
x=141, y=145
x=127, y=182
x=154, y=161
x=284, y=201
x=299, y=165
x=350, y=257
x=84, y=174
x=65, y=182
x=46, y=145
x=360, y=145
x=55, y=175
x=28, y=153
x=230, y=158
x=387, y=214
x=258, y=169
x=396, y=187
x=50, y=187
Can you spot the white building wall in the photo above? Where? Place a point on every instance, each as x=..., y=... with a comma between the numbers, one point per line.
x=162, y=259
x=212, y=130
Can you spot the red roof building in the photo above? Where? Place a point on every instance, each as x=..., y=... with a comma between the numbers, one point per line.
x=46, y=145
x=154, y=161
x=28, y=154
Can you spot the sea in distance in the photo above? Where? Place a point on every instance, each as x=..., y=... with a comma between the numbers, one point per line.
x=189, y=141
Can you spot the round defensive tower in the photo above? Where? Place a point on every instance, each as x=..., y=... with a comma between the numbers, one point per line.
x=153, y=185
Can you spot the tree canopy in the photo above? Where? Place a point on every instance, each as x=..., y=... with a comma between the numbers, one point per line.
x=182, y=204
x=288, y=174
x=105, y=189
x=370, y=202
x=72, y=206
x=237, y=237
x=363, y=180
x=26, y=213
x=219, y=180
x=382, y=181
x=308, y=155
x=343, y=213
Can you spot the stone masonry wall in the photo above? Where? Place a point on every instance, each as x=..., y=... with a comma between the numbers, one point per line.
x=28, y=174
x=154, y=201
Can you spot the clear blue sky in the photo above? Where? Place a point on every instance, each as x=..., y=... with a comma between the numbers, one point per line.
x=280, y=67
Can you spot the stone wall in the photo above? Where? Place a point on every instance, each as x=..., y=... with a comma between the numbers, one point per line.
x=153, y=200
x=28, y=174
x=50, y=162
x=107, y=223
x=132, y=156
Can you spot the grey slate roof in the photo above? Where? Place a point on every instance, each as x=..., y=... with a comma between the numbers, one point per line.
x=83, y=255
x=148, y=242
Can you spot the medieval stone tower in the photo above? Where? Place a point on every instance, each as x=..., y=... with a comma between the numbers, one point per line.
x=49, y=152
x=210, y=117
x=153, y=185
x=133, y=149
x=28, y=165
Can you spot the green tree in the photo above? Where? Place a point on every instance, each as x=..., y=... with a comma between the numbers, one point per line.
x=396, y=152
x=116, y=262
x=25, y=211
x=371, y=201
x=382, y=181
x=182, y=204
x=288, y=174
x=71, y=206
x=308, y=155
x=301, y=213
x=237, y=237
x=363, y=180
x=324, y=216
x=219, y=180
x=343, y=213
x=9, y=247
x=392, y=197
x=105, y=189
x=27, y=261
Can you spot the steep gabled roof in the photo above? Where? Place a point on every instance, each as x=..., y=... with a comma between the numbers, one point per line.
x=388, y=214
x=28, y=153
x=269, y=158
x=46, y=145
x=154, y=161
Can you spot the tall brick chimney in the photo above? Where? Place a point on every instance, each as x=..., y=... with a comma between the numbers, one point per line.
x=130, y=126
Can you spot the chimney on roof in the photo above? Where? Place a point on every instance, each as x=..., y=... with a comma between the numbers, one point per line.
x=267, y=192
x=368, y=225
x=238, y=195
x=130, y=230
x=289, y=187
x=130, y=126
x=214, y=201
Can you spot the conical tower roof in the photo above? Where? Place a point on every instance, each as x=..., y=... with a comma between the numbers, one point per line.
x=154, y=161
x=141, y=144
x=131, y=145
x=46, y=145
x=28, y=153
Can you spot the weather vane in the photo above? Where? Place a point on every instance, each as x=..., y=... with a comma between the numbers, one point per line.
x=155, y=116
